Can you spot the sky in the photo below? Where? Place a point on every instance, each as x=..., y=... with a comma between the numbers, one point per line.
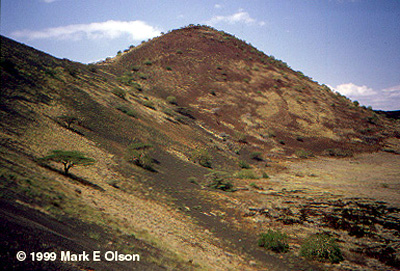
x=353, y=46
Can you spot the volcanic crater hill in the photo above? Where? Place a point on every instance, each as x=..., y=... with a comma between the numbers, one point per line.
x=196, y=103
x=232, y=88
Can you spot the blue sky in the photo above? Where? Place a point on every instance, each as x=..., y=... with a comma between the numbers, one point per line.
x=351, y=45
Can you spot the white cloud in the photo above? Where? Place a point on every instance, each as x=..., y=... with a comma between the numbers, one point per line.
x=392, y=89
x=385, y=99
x=137, y=30
x=48, y=1
x=217, y=6
x=238, y=17
x=351, y=89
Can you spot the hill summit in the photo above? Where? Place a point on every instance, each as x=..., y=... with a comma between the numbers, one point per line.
x=231, y=88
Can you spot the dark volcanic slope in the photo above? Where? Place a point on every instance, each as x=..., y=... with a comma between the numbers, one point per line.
x=234, y=88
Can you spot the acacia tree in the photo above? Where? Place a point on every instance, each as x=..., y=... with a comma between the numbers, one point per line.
x=69, y=159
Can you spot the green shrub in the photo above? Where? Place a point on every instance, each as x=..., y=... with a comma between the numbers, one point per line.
x=256, y=156
x=265, y=175
x=135, y=68
x=179, y=52
x=246, y=174
x=303, y=154
x=137, y=153
x=171, y=100
x=149, y=104
x=193, y=180
x=240, y=137
x=142, y=76
x=321, y=247
x=131, y=113
x=337, y=152
x=274, y=240
x=244, y=164
x=202, y=157
x=255, y=186
x=217, y=180
x=127, y=79
x=148, y=63
x=136, y=86
x=119, y=92
x=168, y=68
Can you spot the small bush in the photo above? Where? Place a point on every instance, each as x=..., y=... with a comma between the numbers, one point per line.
x=142, y=76
x=136, y=86
x=321, y=247
x=149, y=104
x=137, y=153
x=337, y=152
x=119, y=92
x=240, y=137
x=179, y=52
x=244, y=164
x=172, y=100
x=168, y=68
x=265, y=175
x=217, y=180
x=131, y=113
x=202, y=157
x=135, y=68
x=193, y=180
x=303, y=154
x=274, y=240
x=246, y=174
x=255, y=186
x=148, y=63
x=256, y=156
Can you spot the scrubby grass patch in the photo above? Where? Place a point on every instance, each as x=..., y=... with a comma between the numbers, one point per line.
x=202, y=157
x=246, y=174
x=321, y=247
x=244, y=164
x=274, y=240
x=220, y=180
x=303, y=154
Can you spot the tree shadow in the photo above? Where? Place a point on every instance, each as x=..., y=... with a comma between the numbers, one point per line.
x=72, y=176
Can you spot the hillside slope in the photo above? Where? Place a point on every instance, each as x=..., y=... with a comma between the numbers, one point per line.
x=181, y=128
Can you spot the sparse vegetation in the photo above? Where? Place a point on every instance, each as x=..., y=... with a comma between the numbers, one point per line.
x=244, y=164
x=240, y=137
x=172, y=100
x=303, y=154
x=202, y=157
x=321, y=247
x=337, y=152
x=217, y=180
x=256, y=156
x=119, y=92
x=274, y=240
x=68, y=120
x=69, y=159
x=138, y=153
x=246, y=174
x=149, y=104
